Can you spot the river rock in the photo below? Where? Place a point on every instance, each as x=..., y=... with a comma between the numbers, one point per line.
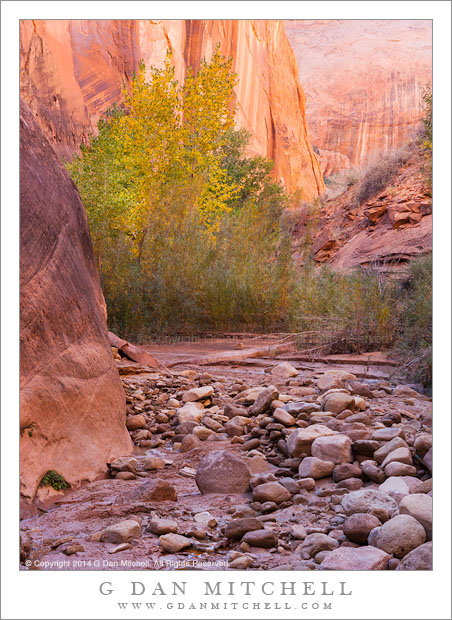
x=344, y=471
x=189, y=442
x=124, y=463
x=231, y=411
x=395, y=487
x=191, y=412
x=382, y=453
x=419, y=506
x=237, y=528
x=422, y=444
x=367, y=500
x=405, y=390
x=299, y=441
x=399, y=469
x=314, y=543
x=264, y=400
x=428, y=460
x=360, y=558
x=261, y=538
x=387, y=434
x=399, y=455
x=121, y=532
x=361, y=389
x=420, y=558
x=328, y=382
x=301, y=407
x=283, y=417
x=134, y=422
x=222, y=472
x=312, y=467
x=400, y=535
x=366, y=447
x=173, y=543
x=284, y=370
x=336, y=448
x=152, y=463
x=163, y=526
x=155, y=490
x=271, y=492
x=338, y=402
x=373, y=472
x=200, y=393
x=358, y=526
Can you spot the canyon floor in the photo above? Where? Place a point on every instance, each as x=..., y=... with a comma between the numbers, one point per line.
x=248, y=455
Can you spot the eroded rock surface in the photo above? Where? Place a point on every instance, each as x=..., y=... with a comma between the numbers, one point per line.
x=72, y=416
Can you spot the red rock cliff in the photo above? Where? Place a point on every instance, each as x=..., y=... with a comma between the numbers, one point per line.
x=72, y=406
x=72, y=70
x=364, y=79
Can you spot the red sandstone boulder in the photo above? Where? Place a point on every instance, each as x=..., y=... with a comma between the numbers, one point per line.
x=72, y=417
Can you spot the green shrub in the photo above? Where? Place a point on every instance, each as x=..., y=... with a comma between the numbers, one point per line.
x=414, y=339
x=345, y=312
x=55, y=480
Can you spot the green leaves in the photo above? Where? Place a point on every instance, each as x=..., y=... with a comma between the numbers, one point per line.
x=186, y=227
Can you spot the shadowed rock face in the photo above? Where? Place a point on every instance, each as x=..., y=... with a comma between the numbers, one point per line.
x=72, y=415
x=362, y=80
x=73, y=70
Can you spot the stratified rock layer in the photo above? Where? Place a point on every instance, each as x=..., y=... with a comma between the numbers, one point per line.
x=363, y=80
x=73, y=70
x=72, y=415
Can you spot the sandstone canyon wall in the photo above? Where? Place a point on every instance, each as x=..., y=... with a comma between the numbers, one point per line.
x=72, y=416
x=363, y=81
x=72, y=70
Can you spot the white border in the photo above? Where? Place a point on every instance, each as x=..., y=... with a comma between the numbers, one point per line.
x=376, y=595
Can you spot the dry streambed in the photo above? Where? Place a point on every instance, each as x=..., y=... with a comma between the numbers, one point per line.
x=246, y=468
